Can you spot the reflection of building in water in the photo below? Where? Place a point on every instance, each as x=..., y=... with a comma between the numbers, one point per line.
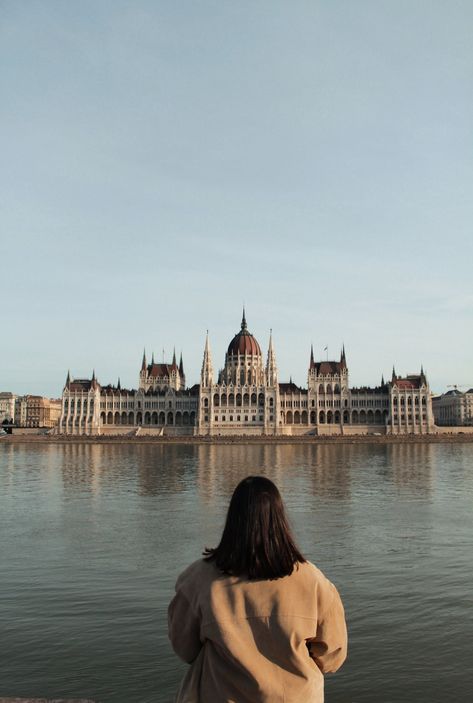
x=411, y=465
x=164, y=469
x=246, y=398
x=321, y=470
x=81, y=466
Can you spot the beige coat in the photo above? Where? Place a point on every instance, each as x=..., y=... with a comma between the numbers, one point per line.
x=255, y=634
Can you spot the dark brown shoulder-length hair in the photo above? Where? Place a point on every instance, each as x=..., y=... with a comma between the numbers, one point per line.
x=256, y=540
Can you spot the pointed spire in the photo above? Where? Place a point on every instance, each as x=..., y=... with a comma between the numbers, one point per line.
x=244, y=326
x=382, y=379
x=152, y=359
x=271, y=367
x=393, y=378
x=181, y=366
x=174, y=357
x=143, y=363
x=312, y=360
x=93, y=375
x=206, y=375
x=343, y=359
x=68, y=379
x=119, y=384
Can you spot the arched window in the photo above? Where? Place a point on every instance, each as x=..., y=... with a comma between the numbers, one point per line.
x=246, y=399
x=147, y=418
x=329, y=388
x=336, y=417
x=329, y=417
x=253, y=398
x=271, y=402
x=354, y=417
x=162, y=418
x=178, y=418
x=216, y=400
x=370, y=417
x=231, y=399
x=206, y=402
x=337, y=388
x=289, y=418
x=170, y=419
x=322, y=417
x=238, y=399
x=131, y=419
x=313, y=417
x=362, y=417
x=297, y=418
x=346, y=417
x=154, y=418
x=321, y=389
x=224, y=399
x=261, y=399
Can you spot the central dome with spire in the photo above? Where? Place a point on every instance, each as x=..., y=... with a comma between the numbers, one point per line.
x=244, y=342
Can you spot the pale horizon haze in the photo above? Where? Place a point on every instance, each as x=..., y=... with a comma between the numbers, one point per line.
x=165, y=163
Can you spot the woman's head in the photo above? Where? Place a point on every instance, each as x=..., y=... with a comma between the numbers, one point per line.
x=256, y=540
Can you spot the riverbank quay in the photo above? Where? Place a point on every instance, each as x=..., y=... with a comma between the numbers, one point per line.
x=437, y=438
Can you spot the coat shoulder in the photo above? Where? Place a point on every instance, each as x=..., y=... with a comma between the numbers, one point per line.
x=197, y=573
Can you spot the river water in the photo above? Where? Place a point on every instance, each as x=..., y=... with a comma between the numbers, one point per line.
x=93, y=537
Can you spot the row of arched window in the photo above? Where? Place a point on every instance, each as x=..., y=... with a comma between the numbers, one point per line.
x=362, y=417
x=238, y=400
x=402, y=400
x=178, y=418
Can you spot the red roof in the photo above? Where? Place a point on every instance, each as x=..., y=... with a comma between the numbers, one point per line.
x=408, y=383
x=329, y=367
x=161, y=370
x=244, y=343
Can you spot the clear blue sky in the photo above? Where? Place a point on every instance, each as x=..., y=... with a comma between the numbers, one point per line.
x=164, y=162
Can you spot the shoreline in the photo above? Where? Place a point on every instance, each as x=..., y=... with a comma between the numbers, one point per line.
x=202, y=440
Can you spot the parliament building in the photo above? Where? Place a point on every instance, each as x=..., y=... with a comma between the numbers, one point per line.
x=246, y=398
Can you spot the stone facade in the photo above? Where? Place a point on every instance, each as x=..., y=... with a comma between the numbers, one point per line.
x=246, y=398
x=160, y=403
x=7, y=406
x=453, y=408
x=35, y=411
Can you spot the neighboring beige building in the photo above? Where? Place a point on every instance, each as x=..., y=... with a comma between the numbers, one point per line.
x=246, y=398
x=35, y=411
x=7, y=406
x=453, y=408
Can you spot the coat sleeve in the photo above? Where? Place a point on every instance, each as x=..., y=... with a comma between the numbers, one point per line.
x=184, y=628
x=329, y=647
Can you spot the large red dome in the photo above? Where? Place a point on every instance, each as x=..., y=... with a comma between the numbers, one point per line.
x=244, y=342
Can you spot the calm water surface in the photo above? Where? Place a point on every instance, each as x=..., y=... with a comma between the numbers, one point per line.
x=93, y=537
